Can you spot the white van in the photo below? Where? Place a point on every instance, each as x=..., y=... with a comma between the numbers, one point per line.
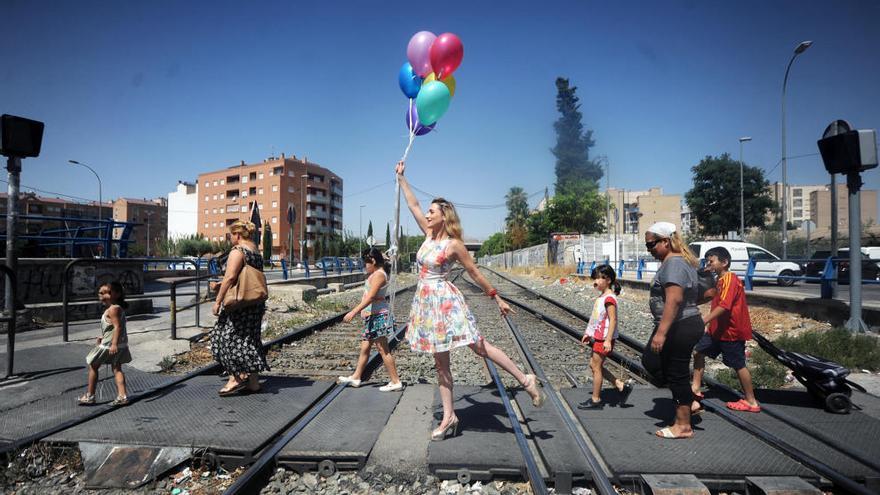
x=767, y=264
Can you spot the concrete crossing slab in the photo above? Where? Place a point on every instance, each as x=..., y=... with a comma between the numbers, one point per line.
x=718, y=450
x=344, y=433
x=485, y=446
x=191, y=414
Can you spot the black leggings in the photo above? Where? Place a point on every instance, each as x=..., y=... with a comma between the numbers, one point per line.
x=675, y=357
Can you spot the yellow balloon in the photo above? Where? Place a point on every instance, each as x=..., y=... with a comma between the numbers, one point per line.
x=449, y=81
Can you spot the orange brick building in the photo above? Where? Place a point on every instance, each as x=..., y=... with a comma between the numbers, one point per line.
x=275, y=184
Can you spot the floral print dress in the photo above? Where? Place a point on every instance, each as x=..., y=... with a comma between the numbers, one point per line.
x=439, y=319
x=235, y=341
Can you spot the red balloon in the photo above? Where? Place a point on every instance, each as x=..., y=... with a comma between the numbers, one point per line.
x=446, y=54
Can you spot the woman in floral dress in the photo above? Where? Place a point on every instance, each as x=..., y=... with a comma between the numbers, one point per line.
x=235, y=341
x=439, y=320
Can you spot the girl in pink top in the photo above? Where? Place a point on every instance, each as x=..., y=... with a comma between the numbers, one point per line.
x=601, y=331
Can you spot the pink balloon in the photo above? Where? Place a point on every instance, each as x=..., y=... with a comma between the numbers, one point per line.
x=446, y=54
x=418, y=51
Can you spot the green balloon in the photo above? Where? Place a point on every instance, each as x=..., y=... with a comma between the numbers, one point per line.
x=432, y=102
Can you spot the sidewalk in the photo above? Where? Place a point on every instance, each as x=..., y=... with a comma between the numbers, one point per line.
x=149, y=337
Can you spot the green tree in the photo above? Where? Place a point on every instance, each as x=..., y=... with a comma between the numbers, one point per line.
x=267, y=242
x=517, y=206
x=387, y=236
x=582, y=210
x=370, y=229
x=573, y=143
x=495, y=244
x=714, y=199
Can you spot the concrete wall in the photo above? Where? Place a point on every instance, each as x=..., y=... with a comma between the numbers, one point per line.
x=40, y=279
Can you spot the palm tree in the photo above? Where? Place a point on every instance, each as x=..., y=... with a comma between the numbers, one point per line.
x=517, y=206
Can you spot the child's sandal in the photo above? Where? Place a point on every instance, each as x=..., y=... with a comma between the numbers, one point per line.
x=120, y=401
x=86, y=400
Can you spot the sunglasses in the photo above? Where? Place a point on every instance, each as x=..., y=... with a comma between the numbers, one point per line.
x=651, y=244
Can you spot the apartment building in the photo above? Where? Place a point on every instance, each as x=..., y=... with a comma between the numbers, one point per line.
x=274, y=185
x=57, y=208
x=638, y=210
x=151, y=214
x=183, y=207
x=820, y=201
x=799, y=207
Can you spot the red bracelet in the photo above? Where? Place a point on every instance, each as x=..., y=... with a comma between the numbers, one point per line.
x=492, y=293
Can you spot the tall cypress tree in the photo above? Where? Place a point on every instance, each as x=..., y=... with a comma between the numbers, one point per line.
x=370, y=229
x=573, y=143
x=387, y=236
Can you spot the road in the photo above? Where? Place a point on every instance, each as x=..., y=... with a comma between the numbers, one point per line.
x=870, y=293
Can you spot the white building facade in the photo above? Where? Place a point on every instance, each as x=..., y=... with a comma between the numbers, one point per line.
x=183, y=210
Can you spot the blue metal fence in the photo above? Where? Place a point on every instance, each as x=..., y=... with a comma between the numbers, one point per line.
x=827, y=277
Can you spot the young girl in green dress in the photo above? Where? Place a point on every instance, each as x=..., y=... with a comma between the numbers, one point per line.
x=112, y=345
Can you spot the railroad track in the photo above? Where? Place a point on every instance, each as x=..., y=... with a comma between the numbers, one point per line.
x=544, y=335
x=777, y=433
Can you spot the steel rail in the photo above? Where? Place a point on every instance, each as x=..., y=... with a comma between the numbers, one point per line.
x=254, y=479
x=535, y=479
x=769, y=438
x=599, y=476
x=135, y=397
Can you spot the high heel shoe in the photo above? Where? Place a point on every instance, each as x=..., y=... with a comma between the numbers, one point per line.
x=531, y=387
x=440, y=434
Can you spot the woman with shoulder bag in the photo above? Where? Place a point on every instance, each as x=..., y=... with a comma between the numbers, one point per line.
x=235, y=340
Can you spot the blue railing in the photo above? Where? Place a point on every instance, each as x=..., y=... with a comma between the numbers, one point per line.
x=826, y=279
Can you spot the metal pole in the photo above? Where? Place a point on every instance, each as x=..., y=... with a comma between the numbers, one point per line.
x=13, y=167
x=302, y=240
x=742, y=214
x=833, y=229
x=800, y=49
x=100, y=197
x=855, y=322
x=361, y=229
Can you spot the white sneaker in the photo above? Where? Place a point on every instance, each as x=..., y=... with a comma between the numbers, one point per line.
x=349, y=380
x=391, y=387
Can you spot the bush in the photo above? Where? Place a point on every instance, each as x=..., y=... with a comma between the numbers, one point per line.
x=766, y=371
x=855, y=351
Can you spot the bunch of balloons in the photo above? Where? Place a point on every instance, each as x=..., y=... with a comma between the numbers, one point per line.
x=426, y=78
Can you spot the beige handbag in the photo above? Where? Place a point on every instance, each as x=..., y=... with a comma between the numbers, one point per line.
x=250, y=289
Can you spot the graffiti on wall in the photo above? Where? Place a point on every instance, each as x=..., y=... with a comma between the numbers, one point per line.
x=42, y=281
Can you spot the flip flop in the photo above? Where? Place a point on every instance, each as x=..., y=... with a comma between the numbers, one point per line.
x=667, y=433
x=232, y=391
x=744, y=406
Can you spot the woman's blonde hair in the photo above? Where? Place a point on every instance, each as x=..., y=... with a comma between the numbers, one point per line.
x=450, y=218
x=244, y=229
x=677, y=245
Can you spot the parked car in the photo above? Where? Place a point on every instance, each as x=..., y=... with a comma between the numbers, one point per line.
x=767, y=265
x=327, y=262
x=815, y=266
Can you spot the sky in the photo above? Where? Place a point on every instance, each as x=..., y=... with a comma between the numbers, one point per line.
x=150, y=93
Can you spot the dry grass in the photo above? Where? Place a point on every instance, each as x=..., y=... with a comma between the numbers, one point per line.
x=547, y=272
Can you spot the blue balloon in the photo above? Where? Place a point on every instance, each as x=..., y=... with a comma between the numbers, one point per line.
x=409, y=81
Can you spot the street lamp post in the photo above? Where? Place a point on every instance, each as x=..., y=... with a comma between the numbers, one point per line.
x=100, y=199
x=302, y=240
x=360, y=229
x=148, y=214
x=742, y=209
x=801, y=48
